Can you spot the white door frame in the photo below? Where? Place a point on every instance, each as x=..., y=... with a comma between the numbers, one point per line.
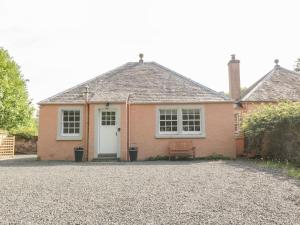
x=97, y=111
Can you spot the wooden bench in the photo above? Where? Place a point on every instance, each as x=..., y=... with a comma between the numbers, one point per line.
x=181, y=148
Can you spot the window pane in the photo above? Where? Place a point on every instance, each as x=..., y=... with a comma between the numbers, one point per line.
x=191, y=117
x=108, y=118
x=68, y=123
x=168, y=120
x=191, y=120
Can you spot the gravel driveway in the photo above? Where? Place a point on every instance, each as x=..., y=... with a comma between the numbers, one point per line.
x=162, y=192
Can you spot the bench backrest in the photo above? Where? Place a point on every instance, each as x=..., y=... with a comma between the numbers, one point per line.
x=180, y=145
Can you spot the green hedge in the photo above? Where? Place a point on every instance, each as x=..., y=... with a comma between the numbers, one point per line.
x=273, y=131
x=26, y=132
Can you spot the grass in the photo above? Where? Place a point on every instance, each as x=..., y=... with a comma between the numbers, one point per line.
x=211, y=157
x=214, y=157
x=156, y=158
x=288, y=168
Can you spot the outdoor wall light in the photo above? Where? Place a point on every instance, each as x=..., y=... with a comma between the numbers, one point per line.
x=107, y=105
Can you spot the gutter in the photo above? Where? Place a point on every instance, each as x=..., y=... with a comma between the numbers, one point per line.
x=139, y=103
x=87, y=120
x=128, y=124
x=87, y=130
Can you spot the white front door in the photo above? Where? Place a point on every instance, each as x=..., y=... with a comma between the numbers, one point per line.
x=108, y=131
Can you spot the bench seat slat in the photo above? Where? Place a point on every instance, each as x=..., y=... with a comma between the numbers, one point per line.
x=180, y=148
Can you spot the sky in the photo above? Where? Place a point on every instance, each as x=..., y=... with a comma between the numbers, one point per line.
x=59, y=44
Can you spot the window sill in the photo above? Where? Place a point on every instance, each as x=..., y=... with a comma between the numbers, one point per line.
x=174, y=136
x=69, y=138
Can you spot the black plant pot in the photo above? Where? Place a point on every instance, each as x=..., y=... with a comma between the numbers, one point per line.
x=133, y=154
x=78, y=152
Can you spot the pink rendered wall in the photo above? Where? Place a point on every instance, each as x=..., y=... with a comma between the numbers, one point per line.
x=218, y=125
x=48, y=148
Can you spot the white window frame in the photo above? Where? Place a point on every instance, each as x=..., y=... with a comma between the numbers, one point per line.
x=167, y=132
x=237, y=122
x=60, y=134
x=180, y=133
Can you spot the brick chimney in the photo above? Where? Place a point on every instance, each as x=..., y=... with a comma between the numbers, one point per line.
x=234, y=78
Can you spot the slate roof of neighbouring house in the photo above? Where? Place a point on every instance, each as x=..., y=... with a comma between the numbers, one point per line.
x=278, y=85
x=146, y=82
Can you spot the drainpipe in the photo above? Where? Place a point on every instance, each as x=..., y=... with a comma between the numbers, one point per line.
x=128, y=124
x=87, y=119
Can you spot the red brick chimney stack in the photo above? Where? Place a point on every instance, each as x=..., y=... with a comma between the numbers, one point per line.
x=234, y=78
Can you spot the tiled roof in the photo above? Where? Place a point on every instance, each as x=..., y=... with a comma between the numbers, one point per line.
x=147, y=82
x=279, y=84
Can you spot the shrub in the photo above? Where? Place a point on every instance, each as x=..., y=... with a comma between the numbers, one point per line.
x=158, y=157
x=273, y=131
x=26, y=132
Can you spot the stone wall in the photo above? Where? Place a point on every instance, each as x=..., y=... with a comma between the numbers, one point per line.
x=26, y=146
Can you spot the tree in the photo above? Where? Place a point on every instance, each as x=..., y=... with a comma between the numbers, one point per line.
x=297, y=66
x=243, y=91
x=15, y=107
